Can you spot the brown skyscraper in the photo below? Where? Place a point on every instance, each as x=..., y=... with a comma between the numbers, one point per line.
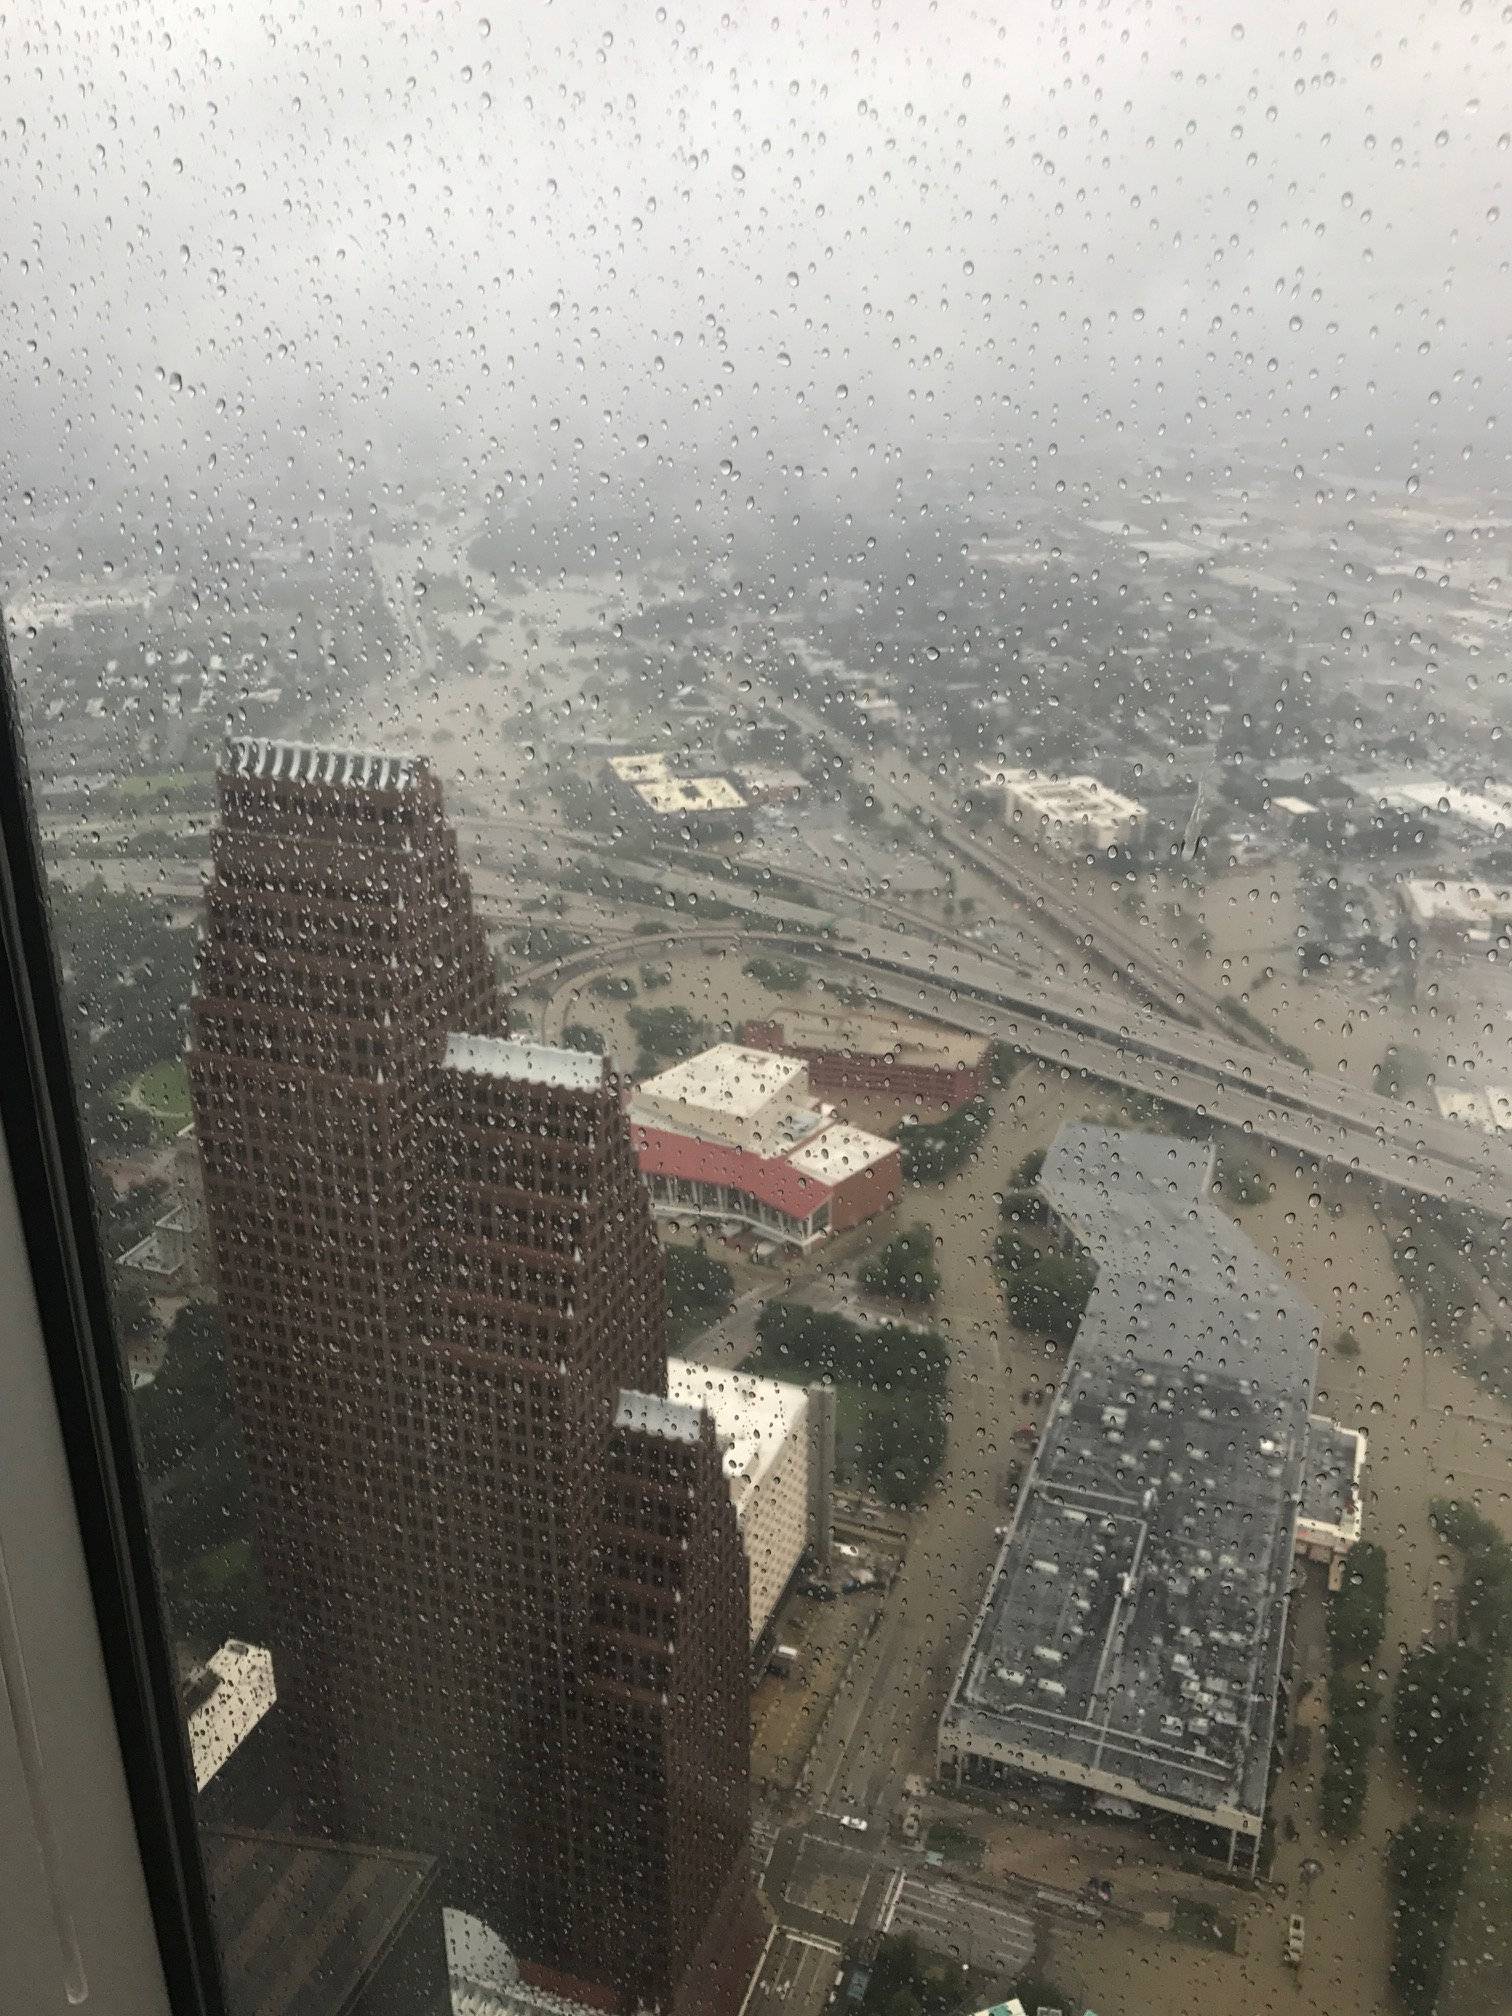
x=508, y=1591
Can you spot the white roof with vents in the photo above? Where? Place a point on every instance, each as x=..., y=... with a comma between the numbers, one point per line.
x=304, y=763
x=729, y=1079
x=530, y=1063
x=243, y=1694
x=753, y=1418
x=840, y=1151
x=655, y=1414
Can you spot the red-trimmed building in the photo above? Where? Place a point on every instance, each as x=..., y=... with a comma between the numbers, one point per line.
x=876, y=1053
x=733, y=1136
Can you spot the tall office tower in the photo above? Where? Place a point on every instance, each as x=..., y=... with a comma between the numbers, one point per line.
x=507, y=1588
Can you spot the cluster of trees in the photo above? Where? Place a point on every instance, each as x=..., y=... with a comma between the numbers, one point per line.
x=128, y=970
x=1446, y=1714
x=932, y=1150
x=1046, y=1290
x=1425, y=1869
x=905, y=1269
x=698, y=1288
x=1449, y=1695
x=819, y=1343
x=895, y=1378
x=583, y=1036
x=193, y=1461
x=908, y=1980
x=665, y=1036
x=1356, y=1622
x=778, y=976
x=1357, y=1608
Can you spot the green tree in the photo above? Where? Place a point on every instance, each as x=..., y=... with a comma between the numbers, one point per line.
x=932, y=1150
x=1046, y=1293
x=698, y=1287
x=905, y=1269
x=1357, y=1608
x=1445, y=1709
x=583, y=1036
x=1353, y=1711
x=1425, y=1868
x=778, y=976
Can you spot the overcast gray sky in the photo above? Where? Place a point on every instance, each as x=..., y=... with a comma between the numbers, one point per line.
x=661, y=255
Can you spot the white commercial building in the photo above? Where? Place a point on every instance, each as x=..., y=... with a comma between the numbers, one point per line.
x=230, y=1696
x=1070, y=815
x=1469, y=913
x=1488, y=1107
x=664, y=792
x=1331, y=1511
x=764, y=1431
x=750, y=1099
x=732, y=1137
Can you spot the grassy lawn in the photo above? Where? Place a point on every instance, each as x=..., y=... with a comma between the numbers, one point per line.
x=166, y=784
x=162, y=1092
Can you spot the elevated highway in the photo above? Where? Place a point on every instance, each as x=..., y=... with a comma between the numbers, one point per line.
x=1248, y=1089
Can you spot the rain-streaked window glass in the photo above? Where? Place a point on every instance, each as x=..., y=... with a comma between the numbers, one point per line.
x=771, y=750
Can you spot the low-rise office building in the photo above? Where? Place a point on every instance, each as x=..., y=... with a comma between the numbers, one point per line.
x=861, y=1052
x=773, y=1464
x=734, y=1137
x=1067, y=815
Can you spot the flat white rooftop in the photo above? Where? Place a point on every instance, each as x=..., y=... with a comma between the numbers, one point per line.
x=689, y=794
x=243, y=1695
x=729, y=1078
x=840, y=1151
x=753, y=1417
x=530, y=1063
x=1485, y=1106
x=655, y=1414
x=646, y=769
x=1075, y=797
x=1472, y=904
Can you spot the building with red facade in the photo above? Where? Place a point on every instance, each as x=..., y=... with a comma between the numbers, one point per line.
x=876, y=1053
x=733, y=1137
x=507, y=1590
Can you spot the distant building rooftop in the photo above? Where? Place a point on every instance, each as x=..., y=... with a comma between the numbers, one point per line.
x=648, y=769
x=730, y=1078
x=690, y=794
x=302, y=763
x=1475, y=907
x=1331, y=1512
x=1064, y=798
x=655, y=1414
x=227, y=1711
x=863, y=1034
x=531, y=1063
x=840, y=1150
x=753, y=1417
x=1488, y=1107
x=309, y=1927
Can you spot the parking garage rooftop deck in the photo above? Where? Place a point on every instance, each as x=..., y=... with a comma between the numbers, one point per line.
x=1131, y=1639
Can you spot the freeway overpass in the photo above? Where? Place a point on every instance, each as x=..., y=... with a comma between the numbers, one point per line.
x=1250, y=1090
x=1200, y=1070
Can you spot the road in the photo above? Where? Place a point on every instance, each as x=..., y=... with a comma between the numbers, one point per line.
x=1070, y=1027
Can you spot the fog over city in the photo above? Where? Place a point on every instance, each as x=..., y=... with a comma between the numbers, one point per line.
x=741, y=289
